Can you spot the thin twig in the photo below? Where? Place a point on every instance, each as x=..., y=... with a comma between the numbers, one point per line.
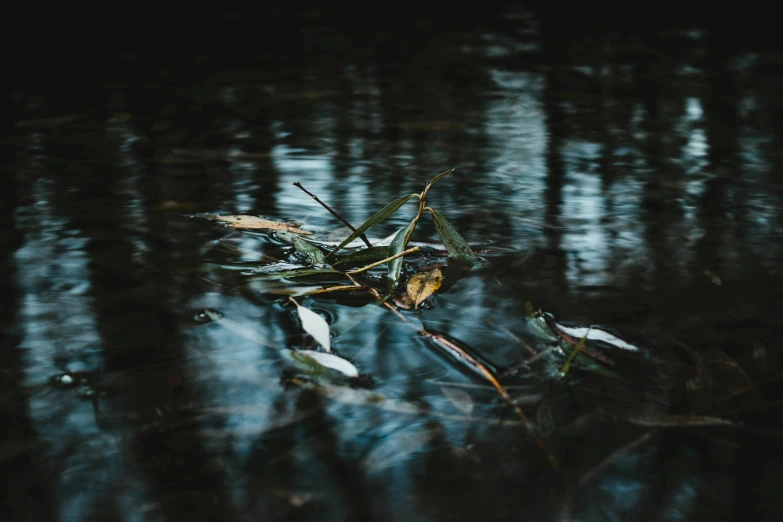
x=377, y=296
x=488, y=375
x=514, y=337
x=335, y=214
x=339, y=288
x=382, y=261
x=590, y=475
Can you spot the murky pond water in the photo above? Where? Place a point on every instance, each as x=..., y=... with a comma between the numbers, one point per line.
x=622, y=179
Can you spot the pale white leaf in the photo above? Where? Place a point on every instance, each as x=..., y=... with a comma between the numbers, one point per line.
x=330, y=360
x=315, y=325
x=595, y=334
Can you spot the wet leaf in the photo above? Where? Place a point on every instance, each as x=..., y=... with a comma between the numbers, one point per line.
x=313, y=254
x=397, y=246
x=288, y=273
x=255, y=223
x=315, y=325
x=459, y=398
x=455, y=245
x=362, y=256
x=328, y=360
x=596, y=334
x=423, y=285
x=439, y=176
x=374, y=220
x=465, y=356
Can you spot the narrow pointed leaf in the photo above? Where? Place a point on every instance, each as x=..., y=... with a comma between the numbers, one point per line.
x=329, y=360
x=364, y=255
x=398, y=245
x=455, y=245
x=374, y=220
x=315, y=325
x=436, y=178
x=596, y=334
x=466, y=357
x=254, y=223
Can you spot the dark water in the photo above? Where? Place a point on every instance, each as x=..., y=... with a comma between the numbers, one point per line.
x=612, y=175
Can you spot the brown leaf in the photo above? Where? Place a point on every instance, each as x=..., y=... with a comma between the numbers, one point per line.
x=423, y=285
x=257, y=223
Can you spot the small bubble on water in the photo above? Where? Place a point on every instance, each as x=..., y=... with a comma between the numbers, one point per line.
x=207, y=315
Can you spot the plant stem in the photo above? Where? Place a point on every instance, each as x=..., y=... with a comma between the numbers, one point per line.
x=382, y=261
x=489, y=376
x=335, y=214
x=341, y=288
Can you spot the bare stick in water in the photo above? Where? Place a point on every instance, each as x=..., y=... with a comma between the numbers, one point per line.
x=335, y=214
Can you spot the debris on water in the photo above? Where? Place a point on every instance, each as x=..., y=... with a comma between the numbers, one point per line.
x=207, y=315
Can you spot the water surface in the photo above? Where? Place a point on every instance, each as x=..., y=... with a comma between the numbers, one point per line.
x=618, y=177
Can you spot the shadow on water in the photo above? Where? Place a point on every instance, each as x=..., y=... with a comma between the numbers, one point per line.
x=607, y=174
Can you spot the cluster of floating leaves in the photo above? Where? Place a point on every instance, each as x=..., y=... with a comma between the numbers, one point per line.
x=397, y=273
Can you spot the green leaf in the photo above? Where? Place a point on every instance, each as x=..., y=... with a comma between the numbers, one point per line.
x=313, y=254
x=455, y=245
x=291, y=273
x=571, y=356
x=398, y=245
x=364, y=255
x=374, y=220
x=436, y=178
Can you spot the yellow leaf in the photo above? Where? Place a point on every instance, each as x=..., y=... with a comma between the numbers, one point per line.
x=423, y=285
x=257, y=223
